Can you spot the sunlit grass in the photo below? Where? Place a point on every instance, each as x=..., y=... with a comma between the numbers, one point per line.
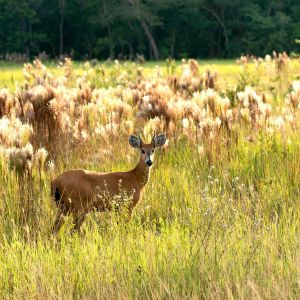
x=223, y=223
x=227, y=71
x=11, y=73
x=226, y=231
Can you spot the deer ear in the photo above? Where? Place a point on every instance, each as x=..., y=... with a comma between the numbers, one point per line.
x=159, y=140
x=135, y=141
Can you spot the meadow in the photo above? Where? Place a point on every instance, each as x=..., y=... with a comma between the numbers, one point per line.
x=220, y=216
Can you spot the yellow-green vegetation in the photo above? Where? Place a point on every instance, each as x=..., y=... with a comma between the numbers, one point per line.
x=220, y=217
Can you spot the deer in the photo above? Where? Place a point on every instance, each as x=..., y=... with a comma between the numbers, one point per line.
x=79, y=191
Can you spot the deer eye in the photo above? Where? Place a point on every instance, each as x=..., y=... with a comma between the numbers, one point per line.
x=143, y=151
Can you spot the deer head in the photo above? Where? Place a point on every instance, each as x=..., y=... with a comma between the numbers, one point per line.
x=147, y=150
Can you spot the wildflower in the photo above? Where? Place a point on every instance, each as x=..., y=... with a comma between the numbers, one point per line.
x=278, y=122
x=268, y=58
x=185, y=123
x=86, y=65
x=84, y=135
x=21, y=159
x=25, y=132
x=51, y=165
x=217, y=123
x=201, y=150
x=29, y=114
x=40, y=157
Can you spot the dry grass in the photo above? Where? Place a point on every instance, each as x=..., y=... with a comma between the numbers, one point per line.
x=220, y=216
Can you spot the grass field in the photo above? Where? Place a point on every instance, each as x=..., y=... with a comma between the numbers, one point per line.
x=220, y=217
x=11, y=73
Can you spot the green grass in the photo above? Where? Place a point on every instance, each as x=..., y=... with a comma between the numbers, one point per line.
x=228, y=231
x=228, y=72
x=11, y=73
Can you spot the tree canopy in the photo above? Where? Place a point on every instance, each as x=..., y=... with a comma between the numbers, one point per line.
x=154, y=28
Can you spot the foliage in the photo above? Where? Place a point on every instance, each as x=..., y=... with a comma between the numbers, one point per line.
x=165, y=28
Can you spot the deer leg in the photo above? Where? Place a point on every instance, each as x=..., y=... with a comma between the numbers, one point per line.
x=59, y=221
x=78, y=220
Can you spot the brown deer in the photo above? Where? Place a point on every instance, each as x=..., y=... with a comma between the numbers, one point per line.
x=79, y=191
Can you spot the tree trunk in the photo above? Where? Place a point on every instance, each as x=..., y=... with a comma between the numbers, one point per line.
x=28, y=46
x=25, y=39
x=173, y=41
x=61, y=26
x=222, y=24
x=110, y=40
x=61, y=37
x=135, y=7
x=111, y=45
x=131, y=51
x=150, y=39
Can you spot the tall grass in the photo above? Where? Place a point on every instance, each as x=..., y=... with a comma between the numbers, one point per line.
x=219, y=219
x=228, y=231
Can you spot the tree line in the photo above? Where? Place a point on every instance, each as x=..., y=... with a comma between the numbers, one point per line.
x=155, y=29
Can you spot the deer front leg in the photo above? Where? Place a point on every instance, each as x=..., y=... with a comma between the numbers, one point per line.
x=59, y=221
x=78, y=220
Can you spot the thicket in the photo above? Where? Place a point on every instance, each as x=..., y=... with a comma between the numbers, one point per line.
x=147, y=28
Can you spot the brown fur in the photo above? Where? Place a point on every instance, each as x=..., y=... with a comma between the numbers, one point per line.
x=80, y=191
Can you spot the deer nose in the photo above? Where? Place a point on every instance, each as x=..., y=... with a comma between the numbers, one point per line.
x=149, y=163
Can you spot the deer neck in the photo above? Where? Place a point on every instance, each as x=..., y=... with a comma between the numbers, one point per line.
x=142, y=173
